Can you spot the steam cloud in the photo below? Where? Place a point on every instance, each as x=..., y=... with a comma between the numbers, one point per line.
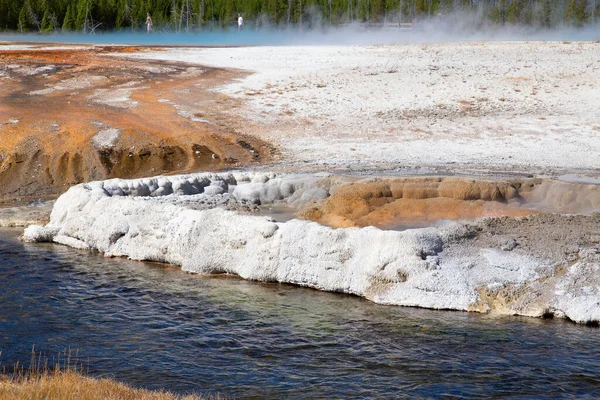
x=455, y=27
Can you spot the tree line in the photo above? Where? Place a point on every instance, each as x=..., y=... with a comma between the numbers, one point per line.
x=90, y=16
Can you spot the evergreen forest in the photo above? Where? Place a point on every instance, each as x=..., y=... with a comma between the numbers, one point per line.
x=89, y=16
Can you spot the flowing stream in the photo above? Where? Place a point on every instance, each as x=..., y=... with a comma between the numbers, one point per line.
x=153, y=326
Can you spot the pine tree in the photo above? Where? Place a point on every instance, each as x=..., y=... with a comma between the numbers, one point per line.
x=582, y=12
x=31, y=15
x=513, y=12
x=228, y=13
x=46, y=23
x=546, y=14
x=576, y=12
x=23, y=25
x=69, y=21
x=200, y=14
x=26, y=15
x=81, y=21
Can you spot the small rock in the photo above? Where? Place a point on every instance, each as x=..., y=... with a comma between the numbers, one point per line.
x=508, y=244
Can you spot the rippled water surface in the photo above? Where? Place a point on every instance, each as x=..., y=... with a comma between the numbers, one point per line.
x=156, y=327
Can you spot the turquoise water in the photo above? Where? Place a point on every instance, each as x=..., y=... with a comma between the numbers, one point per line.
x=325, y=35
x=154, y=326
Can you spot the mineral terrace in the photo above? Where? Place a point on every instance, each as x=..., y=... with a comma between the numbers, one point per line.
x=456, y=175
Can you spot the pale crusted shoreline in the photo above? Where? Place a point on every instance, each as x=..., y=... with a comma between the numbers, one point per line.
x=514, y=108
x=538, y=265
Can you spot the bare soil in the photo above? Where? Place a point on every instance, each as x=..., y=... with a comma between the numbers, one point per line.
x=59, y=108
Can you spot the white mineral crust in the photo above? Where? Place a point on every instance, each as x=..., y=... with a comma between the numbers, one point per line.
x=143, y=220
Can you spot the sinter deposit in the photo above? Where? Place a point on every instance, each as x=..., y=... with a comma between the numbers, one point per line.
x=205, y=224
x=529, y=107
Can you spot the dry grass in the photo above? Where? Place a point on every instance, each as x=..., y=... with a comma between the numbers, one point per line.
x=70, y=385
x=69, y=382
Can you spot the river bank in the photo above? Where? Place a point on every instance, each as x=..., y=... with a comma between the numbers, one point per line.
x=402, y=135
x=153, y=326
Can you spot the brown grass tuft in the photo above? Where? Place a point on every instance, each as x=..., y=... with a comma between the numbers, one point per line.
x=70, y=385
x=39, y=382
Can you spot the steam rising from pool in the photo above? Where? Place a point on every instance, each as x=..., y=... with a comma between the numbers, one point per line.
x=451, y=29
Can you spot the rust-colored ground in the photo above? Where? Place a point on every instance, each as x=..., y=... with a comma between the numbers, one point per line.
x=70, y=115
x=417, y=202
x=54, y=102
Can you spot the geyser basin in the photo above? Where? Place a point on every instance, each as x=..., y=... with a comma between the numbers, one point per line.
x=530, y=265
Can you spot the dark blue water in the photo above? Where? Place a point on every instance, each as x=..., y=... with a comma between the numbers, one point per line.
x=153, y=326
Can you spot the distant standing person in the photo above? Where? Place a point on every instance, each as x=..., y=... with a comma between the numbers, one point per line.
x=149, y=22
x=240, y=22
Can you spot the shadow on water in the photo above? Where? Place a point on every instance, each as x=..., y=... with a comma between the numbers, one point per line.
x=154, y=326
